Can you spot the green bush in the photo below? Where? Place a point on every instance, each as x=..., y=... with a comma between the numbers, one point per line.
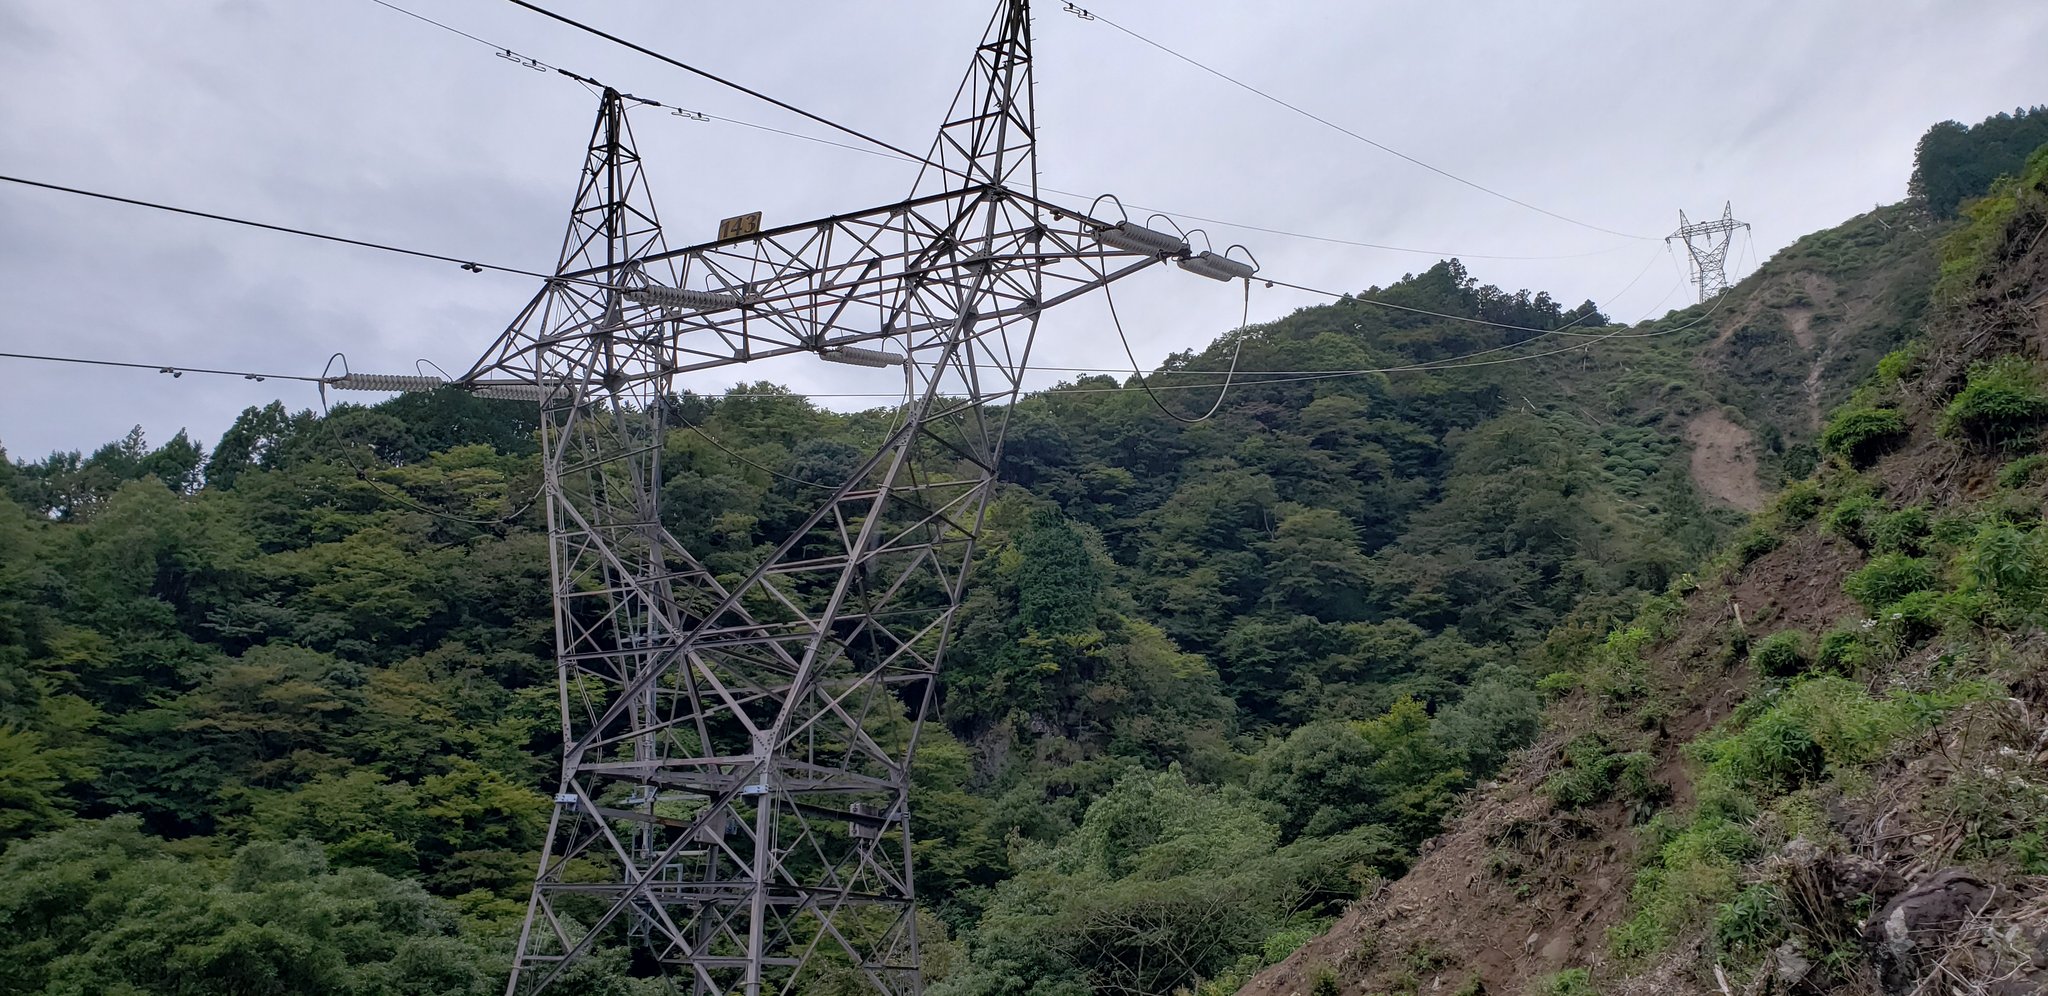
x=1888, y=578
x=1752, y=543
x=1697, y=867
x=1897, y=365
x=1851, y=517
x=1558, y=684
x=1324, y=982
x=1779, y=655
x=1861, y=435
x=1900, y=532
x=2010, y=564
x=1953, y=529
x=1816, y=724
x=2003, y=401
x=1595, y=772
x=1916, y=617
x=1843, y=652
x=2031, y=851
x=1570, y=982
x=1751, y=923
x=2023, y=471
x=1799, y=502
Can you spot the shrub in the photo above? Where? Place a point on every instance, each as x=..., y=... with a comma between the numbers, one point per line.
x=2006, y=568
x=1819, y=723
x=1799, y=502
x=1888, y=578
x=2023, y=471
x=1594, y=772
x=1558, y=684
x=1697, y=867
x=1779, y=655
x=2031, y=851
x=1851, y=517
x=1283, y=942
x=1861, y=435
x=1324, y=982
x=1953, y=529
x=1570, y=982
x=1752, y=544
x=2008, y=562
x=1842, y=651
x=1901, y=531
x=2003, y=401
x=1915, y=617
x=1897, y=365
x=1751, y=923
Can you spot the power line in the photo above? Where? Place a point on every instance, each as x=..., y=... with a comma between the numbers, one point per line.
x=1443, y=363
x=505, y=52
x=722, y=81
x=1110, y=299
x=474, y=266
x=398, y=498
x=174, y=370
x=467, y=264
x=1446, y=363
x=443, y=26
x=1333, y=240
x=1326, y=122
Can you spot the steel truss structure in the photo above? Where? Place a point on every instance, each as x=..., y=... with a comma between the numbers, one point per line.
x=734, y=798
x=1710, y=253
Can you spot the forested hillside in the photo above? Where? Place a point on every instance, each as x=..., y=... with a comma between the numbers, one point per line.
x=1817, y=767
x=279, y=715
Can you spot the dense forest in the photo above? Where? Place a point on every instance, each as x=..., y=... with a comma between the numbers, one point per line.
x=279, y=715
x=1956, y=162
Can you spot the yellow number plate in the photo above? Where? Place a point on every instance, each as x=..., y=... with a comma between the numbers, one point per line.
x=733, y=228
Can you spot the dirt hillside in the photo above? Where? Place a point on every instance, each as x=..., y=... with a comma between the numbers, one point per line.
x=1886, y=834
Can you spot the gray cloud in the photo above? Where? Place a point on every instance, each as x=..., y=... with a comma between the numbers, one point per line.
x=347, y=117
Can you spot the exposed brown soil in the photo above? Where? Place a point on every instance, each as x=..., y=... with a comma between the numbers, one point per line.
x=1515, y=888
x=1724, y=460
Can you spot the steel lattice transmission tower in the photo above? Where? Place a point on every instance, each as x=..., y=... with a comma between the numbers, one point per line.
x=1710, y=252
x=734, y=799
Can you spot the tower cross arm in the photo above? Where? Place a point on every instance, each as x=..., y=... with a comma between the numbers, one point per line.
x=883, y=276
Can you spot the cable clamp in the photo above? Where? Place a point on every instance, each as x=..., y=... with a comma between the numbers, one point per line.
x=1080, y=12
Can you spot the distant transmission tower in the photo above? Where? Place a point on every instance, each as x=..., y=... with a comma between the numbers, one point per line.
x=734, y=799
x=1710, y=252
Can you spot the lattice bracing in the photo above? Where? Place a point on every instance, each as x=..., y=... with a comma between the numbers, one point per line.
x=734, y=801
x=1707, y=243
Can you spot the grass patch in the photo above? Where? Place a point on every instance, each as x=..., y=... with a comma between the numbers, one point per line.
x=1595, y=772
x=1695, y=868
x=1821, y=723
x=2023, y=471
x=1570, y=982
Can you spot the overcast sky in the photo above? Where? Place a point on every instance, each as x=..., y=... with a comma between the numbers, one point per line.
x=347, y=117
